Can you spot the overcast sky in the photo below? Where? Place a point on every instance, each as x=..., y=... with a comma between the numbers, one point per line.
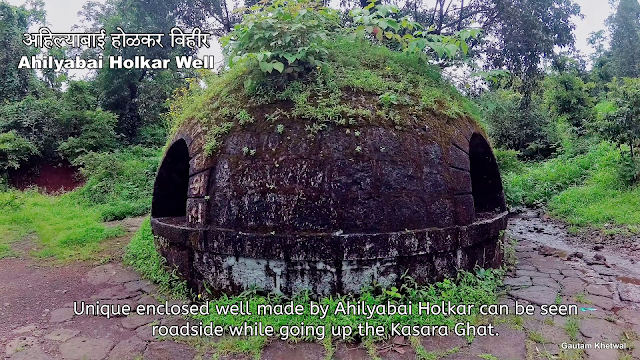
x=62, y=15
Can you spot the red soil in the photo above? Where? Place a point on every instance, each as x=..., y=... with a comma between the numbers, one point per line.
x=49, y=179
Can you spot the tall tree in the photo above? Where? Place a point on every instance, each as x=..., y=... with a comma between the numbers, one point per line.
x=601, y=62
x=517, y=34
x=15, y=21
x=137, y=96
x=526, y=31
x=624, y=26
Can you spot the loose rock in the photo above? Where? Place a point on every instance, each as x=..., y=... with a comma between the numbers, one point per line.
x=135, y=321
x=84, y=348
x=129, y=349
x=32, y=353
x=18, y=343
x=168, y=350
x=540, y=295
x=62, y=334
x=61, y=315
x=629, y=292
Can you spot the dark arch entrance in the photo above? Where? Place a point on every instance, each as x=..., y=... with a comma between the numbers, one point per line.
x=486, y=185
x=172, y=183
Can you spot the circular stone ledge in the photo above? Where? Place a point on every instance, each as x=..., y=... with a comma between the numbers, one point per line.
x=230, y=261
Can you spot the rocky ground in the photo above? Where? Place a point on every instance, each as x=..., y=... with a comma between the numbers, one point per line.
x=38, y=321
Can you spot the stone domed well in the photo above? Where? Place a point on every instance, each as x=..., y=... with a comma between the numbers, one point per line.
x=286, y=202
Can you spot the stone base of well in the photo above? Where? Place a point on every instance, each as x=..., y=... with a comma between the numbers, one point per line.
x=230, y=261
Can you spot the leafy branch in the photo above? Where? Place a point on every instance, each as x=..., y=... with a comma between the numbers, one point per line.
x=378, y=22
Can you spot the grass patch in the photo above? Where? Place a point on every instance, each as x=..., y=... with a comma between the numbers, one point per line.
x=582, y=298
x=572, y=327
x=488, y=357
x=70, y=226
x=6, y=251
x=251, y=346
x=141, y=254
x=534, y=184
x=423, y=354
x=515, y=322
x=329, y=348
x=537, y=337
x=61, y=228
x=584, y=190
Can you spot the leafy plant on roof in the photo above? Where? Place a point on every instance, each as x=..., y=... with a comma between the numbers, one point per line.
x=286, y=36
x=290, y=36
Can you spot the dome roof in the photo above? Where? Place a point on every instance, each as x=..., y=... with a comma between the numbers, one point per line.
x=351, y=162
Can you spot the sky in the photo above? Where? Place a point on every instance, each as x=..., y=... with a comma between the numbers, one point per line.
x=62, y=15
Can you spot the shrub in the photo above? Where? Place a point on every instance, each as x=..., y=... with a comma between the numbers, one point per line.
x=618, y=116
x=152, y=135
x=531, y=133
x=290, y=36
x=628, y=169
x=119, y=184
x=14, y=151
x=567, y=95
x=384, y=24
x=97, y=134
x=508, y=160
x=36, y=120
x=287, y=36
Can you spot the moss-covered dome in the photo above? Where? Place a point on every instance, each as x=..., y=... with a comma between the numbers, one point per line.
x=368, y=168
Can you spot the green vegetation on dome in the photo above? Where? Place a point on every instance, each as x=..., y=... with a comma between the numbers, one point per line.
x=339, y=80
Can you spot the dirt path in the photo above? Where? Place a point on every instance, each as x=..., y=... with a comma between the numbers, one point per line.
x=38, y=322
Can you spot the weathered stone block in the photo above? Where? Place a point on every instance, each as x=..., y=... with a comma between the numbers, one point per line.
x=331, y=212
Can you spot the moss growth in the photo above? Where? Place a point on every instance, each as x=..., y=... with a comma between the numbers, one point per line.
x=361, y=84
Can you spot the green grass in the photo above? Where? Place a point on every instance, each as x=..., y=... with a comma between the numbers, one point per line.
x=423, y=354
x=488, y=357
x=581, y=298
x=538, y=183
x=141, y=254
x=6, y=251
x=537, y=337
x=60, y=228
x=251, y=346
x=70, y=226
x=572, y=327
x=360, y=84
x=583, y=190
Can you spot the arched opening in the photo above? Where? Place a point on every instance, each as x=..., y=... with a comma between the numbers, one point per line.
x=172, y=183
x=486, y=185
